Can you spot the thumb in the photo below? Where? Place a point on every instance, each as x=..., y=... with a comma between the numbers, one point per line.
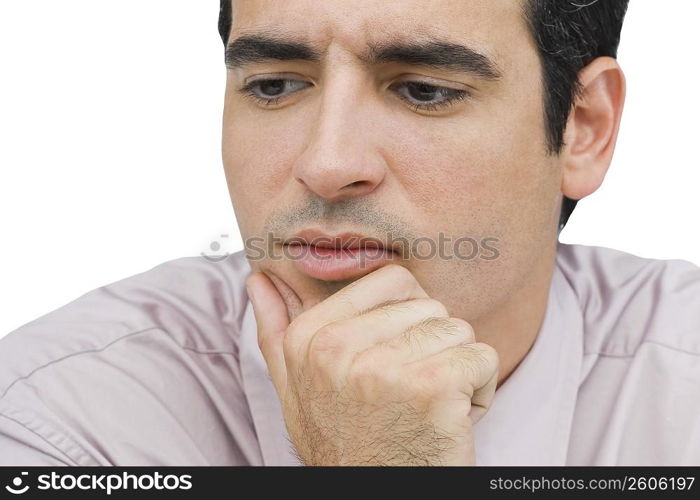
x=272, y=320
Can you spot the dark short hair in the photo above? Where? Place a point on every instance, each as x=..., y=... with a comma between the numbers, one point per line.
x=569, y=35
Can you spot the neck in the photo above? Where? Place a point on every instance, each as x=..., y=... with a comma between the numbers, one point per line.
x=512, y=328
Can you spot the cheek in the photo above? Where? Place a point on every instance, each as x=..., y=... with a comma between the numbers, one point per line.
x=257, y=157
x=253, y=153
x=491, y=180
x=489, y=160
x=456, y=170
x=494, y=182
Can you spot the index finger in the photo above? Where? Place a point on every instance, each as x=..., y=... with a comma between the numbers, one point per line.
x=391, y=283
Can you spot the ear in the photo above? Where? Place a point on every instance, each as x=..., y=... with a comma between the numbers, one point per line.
x=591, y=130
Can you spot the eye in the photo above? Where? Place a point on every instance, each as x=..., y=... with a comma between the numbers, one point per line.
x=270, y=91
x=425, y=96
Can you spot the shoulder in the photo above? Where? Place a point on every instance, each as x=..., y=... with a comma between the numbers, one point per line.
x=627, y=300
x=138, y=371
x=639, y=394
x=198, y=302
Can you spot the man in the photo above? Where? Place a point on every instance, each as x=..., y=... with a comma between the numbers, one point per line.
x=399, y=175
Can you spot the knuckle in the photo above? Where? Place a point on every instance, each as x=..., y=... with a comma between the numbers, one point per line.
x=428, y=330
x=488, y=354
x=327, y=343
x=372, y=376
x=474, y=359
x=414, y=336
x=413, y=333
x=438, y=326
x=463, y=362
x=458, y=369
x=465, y=329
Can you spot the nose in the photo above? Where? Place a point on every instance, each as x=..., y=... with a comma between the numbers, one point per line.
x=342, y=159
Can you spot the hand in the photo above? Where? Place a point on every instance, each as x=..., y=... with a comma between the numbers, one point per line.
x=376, y=374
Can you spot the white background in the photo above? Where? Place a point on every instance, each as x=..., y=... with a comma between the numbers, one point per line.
x=110, y=144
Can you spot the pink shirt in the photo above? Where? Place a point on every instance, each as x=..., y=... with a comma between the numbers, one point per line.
x=163, y=368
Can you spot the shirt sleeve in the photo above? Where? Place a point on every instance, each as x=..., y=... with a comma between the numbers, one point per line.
x=140, y=372
x=19, y=446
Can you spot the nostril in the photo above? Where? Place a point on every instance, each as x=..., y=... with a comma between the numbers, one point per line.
x=356, y=184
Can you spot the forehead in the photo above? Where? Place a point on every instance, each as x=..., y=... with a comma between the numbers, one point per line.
x=496, y=27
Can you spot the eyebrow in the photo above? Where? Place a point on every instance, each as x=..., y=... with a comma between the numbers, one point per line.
x=437, y=54
x=249, y=49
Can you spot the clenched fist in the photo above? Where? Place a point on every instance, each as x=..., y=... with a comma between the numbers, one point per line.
x=376, y=374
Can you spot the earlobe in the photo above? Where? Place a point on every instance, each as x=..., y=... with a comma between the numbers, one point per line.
x=592, y=128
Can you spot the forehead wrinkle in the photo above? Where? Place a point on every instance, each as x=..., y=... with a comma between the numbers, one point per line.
x=422, y=49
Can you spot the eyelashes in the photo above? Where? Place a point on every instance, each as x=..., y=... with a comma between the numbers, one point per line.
x=270, y=91
x=420, y=96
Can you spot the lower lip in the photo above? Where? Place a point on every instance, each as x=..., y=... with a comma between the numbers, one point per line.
x=332, y=264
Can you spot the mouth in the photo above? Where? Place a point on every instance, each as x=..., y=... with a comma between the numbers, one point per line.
x=337, y=257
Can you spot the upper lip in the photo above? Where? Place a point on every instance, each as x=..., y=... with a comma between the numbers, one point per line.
x=345, y=240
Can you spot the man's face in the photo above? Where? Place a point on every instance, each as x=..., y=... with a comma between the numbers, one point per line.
x=368, y=133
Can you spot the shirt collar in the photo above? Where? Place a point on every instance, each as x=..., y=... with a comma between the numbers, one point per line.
x=528, y=423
